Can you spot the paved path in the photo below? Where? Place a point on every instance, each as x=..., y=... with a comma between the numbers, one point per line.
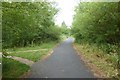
x=63, y=63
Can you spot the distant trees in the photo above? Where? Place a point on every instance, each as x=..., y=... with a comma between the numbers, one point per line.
x=97, y=22
x=26, y=23
x=65, y=30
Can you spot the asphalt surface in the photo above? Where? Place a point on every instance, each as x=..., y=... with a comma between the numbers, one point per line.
x=63, y=63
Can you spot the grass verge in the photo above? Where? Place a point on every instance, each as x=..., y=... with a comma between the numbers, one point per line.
x=48, y=45
x=104, y=62
x=15, y=69
x=33, y=53
x=12, y=68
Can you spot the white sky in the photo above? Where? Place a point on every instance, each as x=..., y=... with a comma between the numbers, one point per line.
x=67, y=7
x=66, y=11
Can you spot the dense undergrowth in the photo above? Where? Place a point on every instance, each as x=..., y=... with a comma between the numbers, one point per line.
x=96, y=28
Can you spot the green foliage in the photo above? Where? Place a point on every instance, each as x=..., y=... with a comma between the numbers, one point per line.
x=12, y=68
x=105, y=62
x=97, y=22
x=26, y=23
x=64, y=30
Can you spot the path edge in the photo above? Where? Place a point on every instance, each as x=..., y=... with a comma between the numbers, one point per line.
x=28, y=73
x=91, y=66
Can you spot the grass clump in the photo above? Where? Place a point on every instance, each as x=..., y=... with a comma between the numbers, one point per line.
x=12, y=68
x=104, y=61
x=33, y=53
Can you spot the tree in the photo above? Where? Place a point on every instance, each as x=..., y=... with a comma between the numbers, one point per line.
x=26, y=23
x=65, y=29
x=97, y=22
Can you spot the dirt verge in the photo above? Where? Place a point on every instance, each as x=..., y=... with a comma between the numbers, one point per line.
x=97, y=72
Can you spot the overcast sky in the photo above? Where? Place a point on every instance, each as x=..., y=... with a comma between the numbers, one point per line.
x=67, y=7
x=66, y=11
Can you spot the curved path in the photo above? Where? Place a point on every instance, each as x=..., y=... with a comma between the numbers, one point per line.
x=63, y=63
